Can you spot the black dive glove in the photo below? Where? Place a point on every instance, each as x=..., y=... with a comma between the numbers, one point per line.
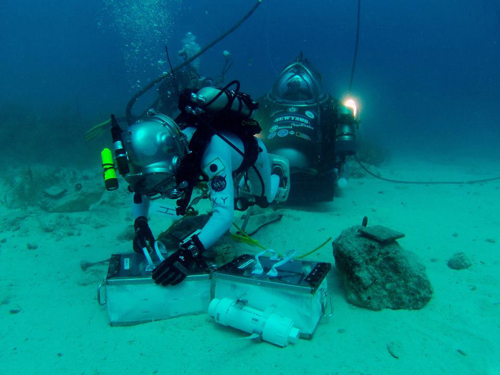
x=175, y=268
x=143, y=235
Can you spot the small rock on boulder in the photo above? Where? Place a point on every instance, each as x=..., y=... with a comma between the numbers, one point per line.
x=380, y=276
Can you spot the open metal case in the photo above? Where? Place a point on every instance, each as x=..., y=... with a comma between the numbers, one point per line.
x=299, y=291
x=131, y=296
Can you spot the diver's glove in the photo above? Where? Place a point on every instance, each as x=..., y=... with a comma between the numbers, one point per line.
x=143, y=236
x=175, y=268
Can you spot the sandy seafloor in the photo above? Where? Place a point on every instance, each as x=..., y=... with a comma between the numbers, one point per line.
x=60, y=329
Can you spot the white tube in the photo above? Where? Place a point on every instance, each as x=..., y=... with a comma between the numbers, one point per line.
x=258, y=269
x=273, y=328
x=140, y=209
x=273, y=272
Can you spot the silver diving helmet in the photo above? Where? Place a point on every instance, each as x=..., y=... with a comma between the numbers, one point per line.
x=155, y=148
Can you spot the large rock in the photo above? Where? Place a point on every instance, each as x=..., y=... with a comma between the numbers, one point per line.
x=380, y=276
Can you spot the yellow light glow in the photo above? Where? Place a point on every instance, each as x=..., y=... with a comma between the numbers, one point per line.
x=350, y=103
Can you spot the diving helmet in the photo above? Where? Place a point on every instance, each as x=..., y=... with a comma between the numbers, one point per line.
x=298, y=84
x=155, y=148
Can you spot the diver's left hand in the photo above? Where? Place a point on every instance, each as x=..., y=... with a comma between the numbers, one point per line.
x=174, y=269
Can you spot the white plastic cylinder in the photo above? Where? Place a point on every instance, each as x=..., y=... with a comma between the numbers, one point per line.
x=273, y=328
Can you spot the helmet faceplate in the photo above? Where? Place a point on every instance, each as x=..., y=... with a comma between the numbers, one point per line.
x=298, y=84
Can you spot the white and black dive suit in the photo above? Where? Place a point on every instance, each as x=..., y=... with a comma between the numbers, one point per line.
x=168, y=159
x=219, y=163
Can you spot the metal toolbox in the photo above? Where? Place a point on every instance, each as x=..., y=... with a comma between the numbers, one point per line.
x=298, y=292
x=132, y=297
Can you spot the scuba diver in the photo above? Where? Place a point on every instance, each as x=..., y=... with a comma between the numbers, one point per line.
x=169, y=85
x=212, y=140
x=188, y=77
x=314, y=131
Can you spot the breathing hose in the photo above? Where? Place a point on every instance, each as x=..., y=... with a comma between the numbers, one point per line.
x=353, y=69
x=470, y=182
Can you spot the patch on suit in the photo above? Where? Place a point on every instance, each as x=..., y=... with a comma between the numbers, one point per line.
x=213, y=168
x=219, y=183
x=220, y=201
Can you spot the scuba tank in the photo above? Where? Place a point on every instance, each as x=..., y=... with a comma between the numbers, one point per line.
x=213, y=101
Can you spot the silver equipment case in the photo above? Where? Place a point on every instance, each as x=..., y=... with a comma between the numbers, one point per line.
x=132, y=297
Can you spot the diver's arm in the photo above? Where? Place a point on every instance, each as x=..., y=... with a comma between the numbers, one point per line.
x=140, y=206
x=222, y=210
x=143, y=236
x=217, y=165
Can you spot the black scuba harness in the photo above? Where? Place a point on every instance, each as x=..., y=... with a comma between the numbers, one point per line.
x=209, y=124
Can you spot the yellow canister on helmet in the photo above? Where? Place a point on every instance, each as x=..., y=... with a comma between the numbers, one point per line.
x=108, y=167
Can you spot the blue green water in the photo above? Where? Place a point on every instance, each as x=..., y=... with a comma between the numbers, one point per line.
x=426, y=74
x=426, y=79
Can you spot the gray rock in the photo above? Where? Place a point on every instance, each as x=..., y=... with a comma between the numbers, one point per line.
x=380, y=234
x=31, y=246
x=380, y=276
x=55, y=192
x=127, y=234
x=181, y=229
x=259, y=220
x=75, y=201
x=222, y=252
x=459, y=261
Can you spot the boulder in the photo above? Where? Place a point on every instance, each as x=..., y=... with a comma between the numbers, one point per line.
x=380, y=275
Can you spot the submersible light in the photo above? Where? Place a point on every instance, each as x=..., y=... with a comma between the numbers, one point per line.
x=350, y=103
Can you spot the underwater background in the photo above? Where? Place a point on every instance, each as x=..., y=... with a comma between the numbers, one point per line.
x=427, y=80
x=426, y=77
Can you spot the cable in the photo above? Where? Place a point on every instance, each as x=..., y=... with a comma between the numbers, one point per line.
x=425, y=182
x=353, y=69
x=231, y=99
x=267, y=41
x=130, y=104
x=172, y=73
